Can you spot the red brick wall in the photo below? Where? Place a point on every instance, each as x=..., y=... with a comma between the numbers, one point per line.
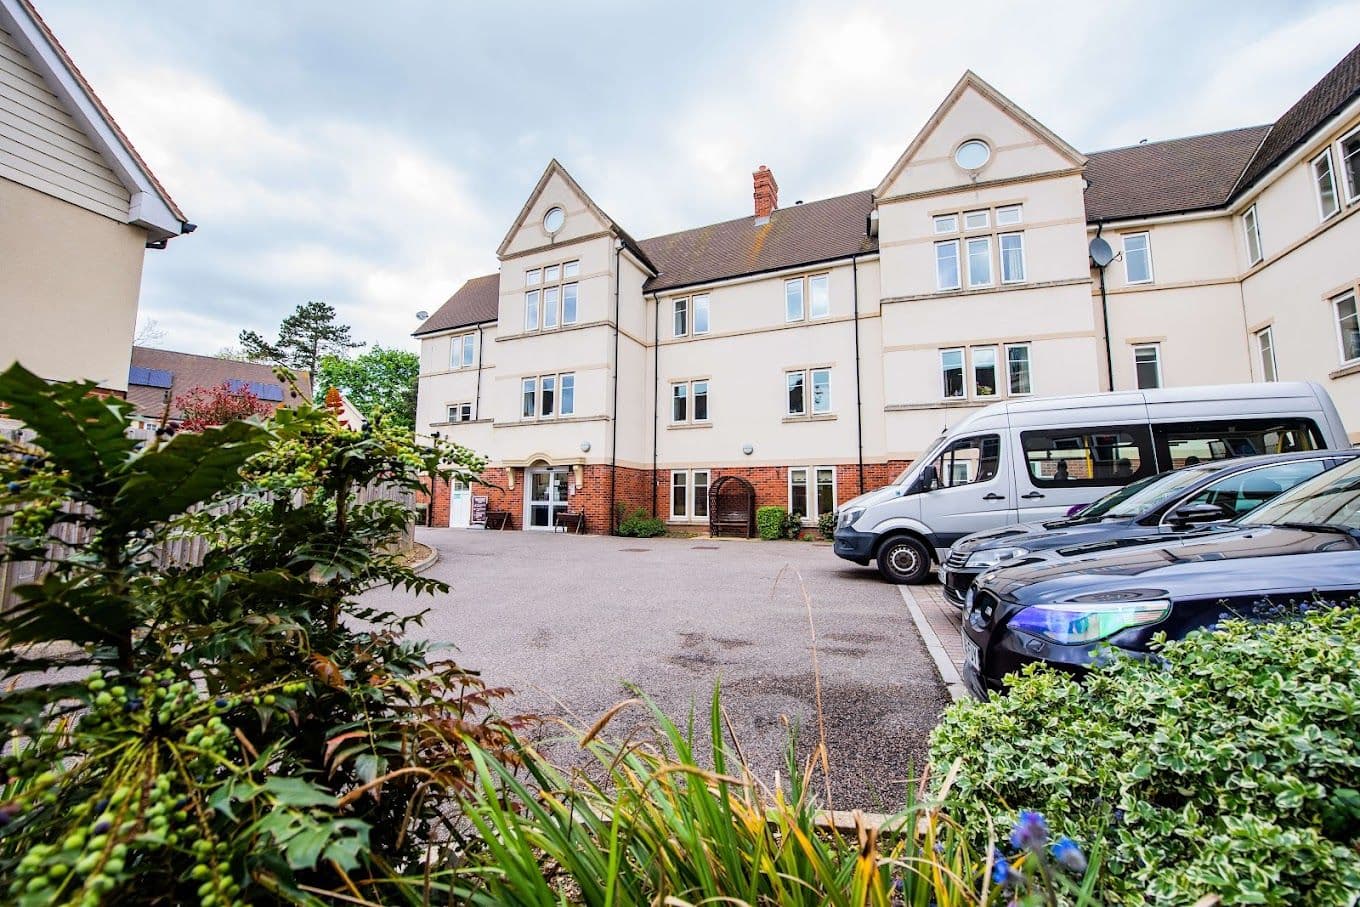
x=634, y=489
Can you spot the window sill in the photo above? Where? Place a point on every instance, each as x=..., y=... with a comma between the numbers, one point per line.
x=682, y=426
x=1350, y=368
x=460, y=422
x=818, y=417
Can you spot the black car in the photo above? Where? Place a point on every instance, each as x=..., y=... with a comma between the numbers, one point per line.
x=1304, y=546
x=1159, y=508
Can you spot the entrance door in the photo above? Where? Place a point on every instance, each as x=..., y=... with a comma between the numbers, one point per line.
x=547, y=497
x=460, y=505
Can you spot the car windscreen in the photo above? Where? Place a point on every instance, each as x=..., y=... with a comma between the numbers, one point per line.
x=1331, y=499
x=1164, y=488
x=925, y=457
x=1100, y=507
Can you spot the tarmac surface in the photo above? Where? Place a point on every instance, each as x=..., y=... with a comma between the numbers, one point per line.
x=570, y=621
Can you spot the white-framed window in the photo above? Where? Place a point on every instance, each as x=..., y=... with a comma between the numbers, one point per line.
x=793, y=299
x=1324, y=178
x=1018, y=380
x=551, y=297
x=1008, y=215
x=812, y=491
x=947, y=265
x=699, y=311
x=980, y=261
x=571, y=270
x=819, y=295
x=1147, y=365
x=1251, y=229
x=533, y=278
x=946, y=223
x=1137, y=258
x=984, y=371
x=460, y=412
x=951, y=374
x=801, y=384
x=689, y=494
x=1265, y=346
x=1350, y=164
x=569, y=292
x=552, y=273
x=689, y=401
x=1348, y=326
x=977, y=220
x=680, y=319
x=529, y=398
x=1012, y=257
x=545, y=396
x=463, y=351
x=531, y=310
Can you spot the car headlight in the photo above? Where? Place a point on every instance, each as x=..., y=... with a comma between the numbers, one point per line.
x=847, y=517
x=990, y=557
x=1075, y=623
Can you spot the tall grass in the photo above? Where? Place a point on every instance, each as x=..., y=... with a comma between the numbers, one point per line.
x=661, y=827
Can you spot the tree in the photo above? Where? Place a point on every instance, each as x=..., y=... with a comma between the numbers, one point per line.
x=379, y=379
x=204, y=407
x=149, y=333
x=304, y=337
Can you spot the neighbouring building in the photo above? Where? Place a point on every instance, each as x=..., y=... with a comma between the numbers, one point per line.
x=816, y=349
x=158, y=378
x=78, y=210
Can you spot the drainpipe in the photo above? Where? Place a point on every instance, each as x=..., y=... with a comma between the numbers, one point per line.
x=859, y=400
x=1105, y=316
x=656, y=391
x=614, y=411
x=477, y=401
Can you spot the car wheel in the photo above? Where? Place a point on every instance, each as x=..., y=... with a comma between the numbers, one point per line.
x=904, y=561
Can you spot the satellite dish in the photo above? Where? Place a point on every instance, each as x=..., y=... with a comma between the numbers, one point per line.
x=1101, y=253
x=422, y=315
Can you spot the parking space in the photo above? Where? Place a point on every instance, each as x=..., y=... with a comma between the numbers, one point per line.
x=570, y=621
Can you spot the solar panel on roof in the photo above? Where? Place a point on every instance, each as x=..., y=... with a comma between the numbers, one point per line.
x=270, y=392
x=149, y=377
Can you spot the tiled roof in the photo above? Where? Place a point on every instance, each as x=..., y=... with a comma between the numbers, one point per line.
x=1334, y=91
x=803, y=234
x=1188, y=174
x=189, y=371
x=476, y=301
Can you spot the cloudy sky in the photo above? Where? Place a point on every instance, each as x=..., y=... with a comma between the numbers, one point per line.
x=373, y=154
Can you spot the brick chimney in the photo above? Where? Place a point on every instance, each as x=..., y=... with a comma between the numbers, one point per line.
x=766, y=191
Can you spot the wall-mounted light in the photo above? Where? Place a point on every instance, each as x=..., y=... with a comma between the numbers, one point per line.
x=585, y=447
x=747, y=449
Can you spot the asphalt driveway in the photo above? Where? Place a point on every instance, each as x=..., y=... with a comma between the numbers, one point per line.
x=568, y=621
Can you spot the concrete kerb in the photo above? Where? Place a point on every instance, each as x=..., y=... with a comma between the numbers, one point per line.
x=949, y=674
x=426, y=563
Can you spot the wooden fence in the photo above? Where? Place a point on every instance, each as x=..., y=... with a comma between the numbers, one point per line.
x=185, y=551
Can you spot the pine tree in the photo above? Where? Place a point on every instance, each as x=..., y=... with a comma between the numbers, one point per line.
x=304, y=337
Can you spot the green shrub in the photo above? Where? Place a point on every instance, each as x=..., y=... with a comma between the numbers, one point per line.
x=1228, y=764
x=774, y=522
x=826, y=525
x=639, y=525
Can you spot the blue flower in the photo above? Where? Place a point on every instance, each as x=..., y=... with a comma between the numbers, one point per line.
x=1003, y=873
x=1069, y=855
x=1030, y=831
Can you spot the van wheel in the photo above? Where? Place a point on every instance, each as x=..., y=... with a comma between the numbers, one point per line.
x=904, y=561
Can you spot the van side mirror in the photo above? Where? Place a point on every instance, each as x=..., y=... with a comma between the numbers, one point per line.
x=926, y=480
x=1194, y=514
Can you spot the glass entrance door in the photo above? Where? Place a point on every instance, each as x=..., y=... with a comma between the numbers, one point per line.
x=547, y=497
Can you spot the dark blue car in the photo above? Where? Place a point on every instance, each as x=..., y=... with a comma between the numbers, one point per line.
x=1160, y=508
x=1302, y=547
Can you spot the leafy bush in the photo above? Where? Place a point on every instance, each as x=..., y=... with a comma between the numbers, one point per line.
x=639, y=525
x=826, y=525
x=237, y=727
x=1228, y=764
x=658, y=824
x=774, y=523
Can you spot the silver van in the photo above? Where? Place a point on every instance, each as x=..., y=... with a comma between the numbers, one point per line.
x=1033, y=460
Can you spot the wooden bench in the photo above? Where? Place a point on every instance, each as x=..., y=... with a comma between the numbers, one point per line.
x=571, y=522
x=498, y=519
x=737, y=522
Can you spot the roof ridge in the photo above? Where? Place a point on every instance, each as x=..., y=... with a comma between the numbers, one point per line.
x=1183, y=138
x=734, y=220
x=268, y=365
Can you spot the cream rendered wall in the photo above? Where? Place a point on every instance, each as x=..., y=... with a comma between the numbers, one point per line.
x=745, y=356
x=441, y=385
x=635, y=367
x=68, y=297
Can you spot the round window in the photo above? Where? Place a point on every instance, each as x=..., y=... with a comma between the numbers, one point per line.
x=972, y=154
x=552, y=221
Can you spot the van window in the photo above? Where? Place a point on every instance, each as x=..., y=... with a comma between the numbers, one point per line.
x=1188, y=443
x=968, y=460
x=1076, y=457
